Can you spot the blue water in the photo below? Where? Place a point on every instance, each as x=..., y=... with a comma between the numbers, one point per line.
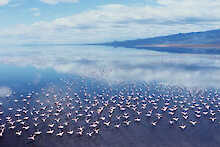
x=78, y=77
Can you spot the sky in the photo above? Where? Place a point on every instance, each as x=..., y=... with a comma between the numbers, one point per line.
x=91, y=21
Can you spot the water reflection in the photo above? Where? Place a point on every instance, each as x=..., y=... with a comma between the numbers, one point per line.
x=119, y=64
x=5, y=92
x=107, y=97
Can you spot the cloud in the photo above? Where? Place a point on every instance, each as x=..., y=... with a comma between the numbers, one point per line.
x=5, y=91
x=53, y=2
x=36, y=14
x=4, y=2
x=35, y=11
x=121, y=22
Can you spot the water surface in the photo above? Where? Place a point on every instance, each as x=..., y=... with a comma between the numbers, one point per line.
x=47, y=83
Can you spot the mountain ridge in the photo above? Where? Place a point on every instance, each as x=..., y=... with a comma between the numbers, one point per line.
x=211, y=37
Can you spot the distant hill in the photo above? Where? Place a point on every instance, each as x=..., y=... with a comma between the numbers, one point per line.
x=208, y=39
x=191, y=42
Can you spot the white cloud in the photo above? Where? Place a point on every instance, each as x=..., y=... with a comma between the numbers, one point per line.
x=36, y=14
x=35, y=11
x=4, y=2
x=53, y=2
x=120, y=22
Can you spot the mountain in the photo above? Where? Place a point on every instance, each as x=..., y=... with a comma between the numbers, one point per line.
x=182, y=43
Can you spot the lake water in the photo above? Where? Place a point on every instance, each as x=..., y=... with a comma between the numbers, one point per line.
x=149, y=98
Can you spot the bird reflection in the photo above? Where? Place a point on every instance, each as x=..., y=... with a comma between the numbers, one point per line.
x=88, y=108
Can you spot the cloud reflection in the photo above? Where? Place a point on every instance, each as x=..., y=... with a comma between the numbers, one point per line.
x=5, y=91
x=120, y=64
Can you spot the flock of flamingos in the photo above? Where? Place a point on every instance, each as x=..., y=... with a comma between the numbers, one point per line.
x=88, y=107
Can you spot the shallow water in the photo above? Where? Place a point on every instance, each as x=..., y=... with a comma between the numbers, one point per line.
x=69, y=79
